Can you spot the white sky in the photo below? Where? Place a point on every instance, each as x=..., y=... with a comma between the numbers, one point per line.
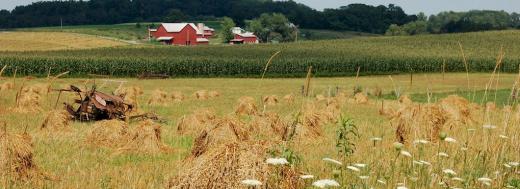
x=410, y=6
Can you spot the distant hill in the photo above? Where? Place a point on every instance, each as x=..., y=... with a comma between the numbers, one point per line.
x=138, y=32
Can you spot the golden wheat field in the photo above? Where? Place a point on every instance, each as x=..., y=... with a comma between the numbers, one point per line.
x=47, y=41
x=263, y=133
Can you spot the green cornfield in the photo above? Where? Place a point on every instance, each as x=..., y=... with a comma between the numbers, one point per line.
x=373, y=55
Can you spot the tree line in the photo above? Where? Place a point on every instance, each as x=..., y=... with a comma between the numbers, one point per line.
x=354, y=17
x=456, y=22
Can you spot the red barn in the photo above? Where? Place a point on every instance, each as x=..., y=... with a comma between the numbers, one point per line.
x=246, y=37
x=179, y=34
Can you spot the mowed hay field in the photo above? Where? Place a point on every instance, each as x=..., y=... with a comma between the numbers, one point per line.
x=443, y=144
x=49, y=41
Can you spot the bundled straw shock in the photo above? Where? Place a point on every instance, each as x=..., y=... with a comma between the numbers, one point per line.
x=226, y=166
x=145, y=139
x=159, y=97
x=109, y=133
x=16, y=160
x=246, y=106
x=130, y=94
x=56, y=121
x=196, y=122
x=270, y=100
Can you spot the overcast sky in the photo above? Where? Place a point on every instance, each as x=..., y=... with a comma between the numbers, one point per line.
x=410, y=6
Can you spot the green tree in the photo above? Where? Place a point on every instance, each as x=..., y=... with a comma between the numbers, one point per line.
x=272, y=27
x=226, y=25
x=394, y=30
x=515, y=20
x=416, y=28
x=175, y=15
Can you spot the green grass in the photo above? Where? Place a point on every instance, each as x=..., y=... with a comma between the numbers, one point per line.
x=502, y=98
x=125, y=31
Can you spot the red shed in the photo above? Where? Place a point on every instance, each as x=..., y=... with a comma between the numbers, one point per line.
x=246, y=37
x=178, y=34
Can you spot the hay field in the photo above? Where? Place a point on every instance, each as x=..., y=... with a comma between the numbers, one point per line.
x=482, y=153
x=48, y=41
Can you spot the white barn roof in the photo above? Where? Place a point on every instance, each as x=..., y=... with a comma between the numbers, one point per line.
x=247, y=34
x=177, y=27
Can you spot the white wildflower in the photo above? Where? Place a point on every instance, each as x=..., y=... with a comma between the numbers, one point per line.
x=363, y=177
x=507, y=165
x=381, y=182
x=325, y=183
x=405, y=153
x=353, y=168
x=417, y=162
x=375, y=139
x=514, y=164
x=304, y=177
x=449, y=172
x=402, y=187
x=277, y=161
x=251, y=182
x=332, y=161
x=489, y=127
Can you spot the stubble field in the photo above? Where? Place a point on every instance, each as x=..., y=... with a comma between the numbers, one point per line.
x=450, y=143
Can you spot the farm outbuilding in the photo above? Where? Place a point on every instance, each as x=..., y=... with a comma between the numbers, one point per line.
x=185, y=34
x=243, y=37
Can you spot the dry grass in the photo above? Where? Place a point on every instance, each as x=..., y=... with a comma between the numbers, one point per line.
x=201, y=95
x=47, y=41
x=214, y=94
x=289, y=99
x=6, y=86
x=177, y=96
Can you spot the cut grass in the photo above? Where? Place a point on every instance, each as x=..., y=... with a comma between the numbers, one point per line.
x=85, y=167
x=48, y=41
